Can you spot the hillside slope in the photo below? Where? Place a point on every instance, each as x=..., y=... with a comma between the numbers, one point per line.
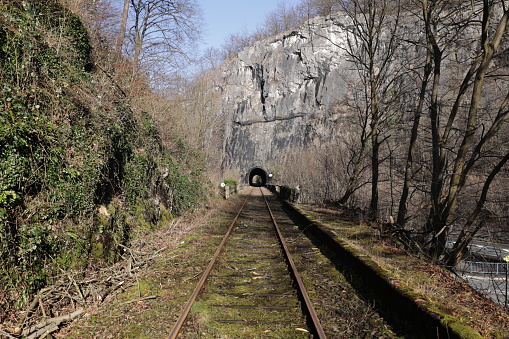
x=80, y=171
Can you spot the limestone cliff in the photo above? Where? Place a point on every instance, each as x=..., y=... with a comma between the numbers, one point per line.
x=283, y=93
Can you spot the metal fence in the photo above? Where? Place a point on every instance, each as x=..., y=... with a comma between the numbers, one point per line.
x=485, y=267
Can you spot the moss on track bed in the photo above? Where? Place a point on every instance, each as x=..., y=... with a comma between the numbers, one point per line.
x=249, y=293
x=172, y=278
x=342, y=312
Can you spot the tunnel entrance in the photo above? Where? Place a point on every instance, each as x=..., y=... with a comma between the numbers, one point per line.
x=257, y=177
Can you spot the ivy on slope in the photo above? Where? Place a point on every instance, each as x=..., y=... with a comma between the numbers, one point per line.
x=79, y=171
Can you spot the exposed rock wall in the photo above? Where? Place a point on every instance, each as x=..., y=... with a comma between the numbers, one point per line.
x=283, y=93
x=298, y=88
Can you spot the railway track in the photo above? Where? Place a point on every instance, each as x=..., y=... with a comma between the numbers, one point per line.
x=251, y=286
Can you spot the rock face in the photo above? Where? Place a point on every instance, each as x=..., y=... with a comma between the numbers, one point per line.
x=283, y=93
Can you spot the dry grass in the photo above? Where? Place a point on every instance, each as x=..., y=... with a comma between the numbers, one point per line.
x=146, y=305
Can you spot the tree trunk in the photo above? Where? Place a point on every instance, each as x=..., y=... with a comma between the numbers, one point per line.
x=444, y=207
x=435, y=223
x=489, y=49
x=123, y=28
x=374, y=104
x=375, y=161
x=466, y=235
x=352, y=180
x=401, y=220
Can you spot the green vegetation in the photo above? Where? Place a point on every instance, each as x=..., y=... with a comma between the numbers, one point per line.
x=80, y=170
x=231, y=183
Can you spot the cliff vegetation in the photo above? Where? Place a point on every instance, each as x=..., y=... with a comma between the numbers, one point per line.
x=83, y=170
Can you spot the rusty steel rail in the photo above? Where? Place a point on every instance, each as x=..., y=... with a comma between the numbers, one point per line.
x=296, y=276
x=187, y=308
x=309, y=309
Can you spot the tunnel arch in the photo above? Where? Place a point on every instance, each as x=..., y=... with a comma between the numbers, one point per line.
x=257, y=177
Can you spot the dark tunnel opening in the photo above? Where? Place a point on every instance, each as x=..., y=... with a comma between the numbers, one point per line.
x=257, y=177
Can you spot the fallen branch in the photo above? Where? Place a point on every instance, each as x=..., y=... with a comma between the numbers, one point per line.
x=34, y=304
x=140, y=299
x=44, y=331
x=109, y=290
x=7, y=335
x=78, y=291
x=77, y=287
x=45, y=324
x=30, y=309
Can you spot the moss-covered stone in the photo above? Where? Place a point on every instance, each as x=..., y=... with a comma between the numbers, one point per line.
x=395, y=296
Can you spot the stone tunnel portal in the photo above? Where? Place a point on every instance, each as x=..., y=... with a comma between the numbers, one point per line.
x=257, y=177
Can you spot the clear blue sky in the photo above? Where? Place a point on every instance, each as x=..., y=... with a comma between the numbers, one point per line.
x=224, y=17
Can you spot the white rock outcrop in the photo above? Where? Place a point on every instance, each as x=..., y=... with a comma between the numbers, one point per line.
x=281, y=93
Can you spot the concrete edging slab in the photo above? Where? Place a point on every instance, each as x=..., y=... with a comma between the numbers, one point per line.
x=408, y=308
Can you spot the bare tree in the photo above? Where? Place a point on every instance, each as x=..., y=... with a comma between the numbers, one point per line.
x=211, y=58
x=99, y=16
x=235, y=43
x=356, y=140
x=462, y=40
x=419, y=108
x=162, y=31
x=469, y=229
x=372, y=41
x=283, y=18
x=444, y=197
x=324, y=7
x=123, y=28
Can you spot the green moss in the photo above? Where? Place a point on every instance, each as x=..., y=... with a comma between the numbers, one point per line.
x=460, y=329
x=166, y=216
x=136, y=331
x=103, y=220
x=142, y=287
x=97, y=250
x=454, y=324
x=69, y=145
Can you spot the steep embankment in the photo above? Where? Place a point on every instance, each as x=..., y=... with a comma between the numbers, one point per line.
x=80, y=171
